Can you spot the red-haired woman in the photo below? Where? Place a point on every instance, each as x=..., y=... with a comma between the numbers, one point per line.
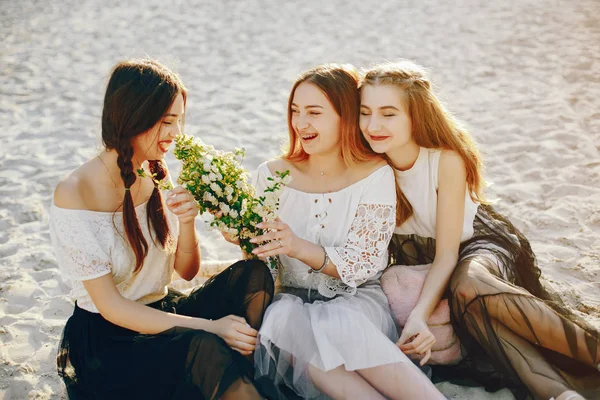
x=329, y=332
x=129, y=337
x=496, y=297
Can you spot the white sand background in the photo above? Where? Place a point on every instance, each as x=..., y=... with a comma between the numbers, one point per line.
x=523, y=74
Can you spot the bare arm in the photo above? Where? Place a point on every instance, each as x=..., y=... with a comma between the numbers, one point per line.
x=187, y=258
x=452, y=186
x=147, y=320
x=416, y=337
x=135, y=316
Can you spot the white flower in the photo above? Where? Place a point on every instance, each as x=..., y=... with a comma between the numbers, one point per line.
x=216, y=188
x=228, y=190
x=212, y=177
x=233, y=213
x=229, y=198
x=224, y=207
x=205, y=179
x=244, y=207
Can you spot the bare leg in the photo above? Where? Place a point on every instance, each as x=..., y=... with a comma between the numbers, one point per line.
x=521, y=312
x=512, y=326
x=400, y=381
x=241, y=389
x=341, y=384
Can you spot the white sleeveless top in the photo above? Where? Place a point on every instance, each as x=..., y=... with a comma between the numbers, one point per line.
x=355, y=225
x=420, y=185
x=90, y=244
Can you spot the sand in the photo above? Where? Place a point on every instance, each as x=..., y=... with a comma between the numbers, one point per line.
x=524, y=76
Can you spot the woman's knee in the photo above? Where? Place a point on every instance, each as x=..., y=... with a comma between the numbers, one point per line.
x=259, y=276
x=467, y=280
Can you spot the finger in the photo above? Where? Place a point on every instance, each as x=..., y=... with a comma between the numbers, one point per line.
x=175, y=191
x=185, y=207
x=414, y=343
x=246, y=339
x=425, y=346
x=242, y=352
x=272, y=253
x=243, y=346
x=404, y=337
x=426, y=358
x=237, y=318
x=272, y=225
x=264, y=238
x=181, y=198
x=246, y=330
x=269, y=247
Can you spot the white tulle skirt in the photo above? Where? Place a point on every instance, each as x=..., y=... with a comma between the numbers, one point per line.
x=354, y=331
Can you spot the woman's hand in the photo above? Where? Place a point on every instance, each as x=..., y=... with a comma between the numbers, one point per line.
x=181, y=203
x=238, y=335
x=279, y=239
x=416, y=339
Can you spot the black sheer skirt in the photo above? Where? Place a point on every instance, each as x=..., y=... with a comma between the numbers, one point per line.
x=514, y=331
x=100, y=360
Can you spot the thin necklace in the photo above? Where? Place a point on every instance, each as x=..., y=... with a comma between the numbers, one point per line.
x=113, y=181
x=108, y=171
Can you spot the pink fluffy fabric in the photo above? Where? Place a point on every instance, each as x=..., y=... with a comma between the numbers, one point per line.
x=402, y=284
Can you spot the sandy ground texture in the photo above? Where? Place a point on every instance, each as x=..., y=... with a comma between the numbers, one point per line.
x=523, y=74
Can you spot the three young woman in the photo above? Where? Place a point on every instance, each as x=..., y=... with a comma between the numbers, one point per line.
x=483, y=264
x=129, y=337
x=329, y=331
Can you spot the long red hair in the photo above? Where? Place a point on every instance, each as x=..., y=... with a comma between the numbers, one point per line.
x=432, y=125
x=339, y=83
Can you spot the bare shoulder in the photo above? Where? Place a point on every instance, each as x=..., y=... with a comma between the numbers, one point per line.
x=451, y=161
x=280, y=165
x=364, y=169
x=69, y=191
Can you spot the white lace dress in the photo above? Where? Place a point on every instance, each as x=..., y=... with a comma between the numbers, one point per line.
x=320, y=320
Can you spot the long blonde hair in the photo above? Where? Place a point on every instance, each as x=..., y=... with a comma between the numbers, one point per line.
x=339, y=83
x=432, y=125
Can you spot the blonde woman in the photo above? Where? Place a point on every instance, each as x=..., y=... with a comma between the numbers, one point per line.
x=498, y=303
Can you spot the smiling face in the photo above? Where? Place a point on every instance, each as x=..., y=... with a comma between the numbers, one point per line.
x=154, y=143
x=384, y=119
x=314, y=120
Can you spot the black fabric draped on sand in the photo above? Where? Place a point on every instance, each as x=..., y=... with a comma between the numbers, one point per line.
x=100, y=360
x=514, y=331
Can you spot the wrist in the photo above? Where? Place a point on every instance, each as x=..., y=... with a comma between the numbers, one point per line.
x=296, y=248
x=187, y=223
x=207, y=325
x=418, y=314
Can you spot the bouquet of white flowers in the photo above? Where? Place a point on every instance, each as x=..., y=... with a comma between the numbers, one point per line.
x=220, y=186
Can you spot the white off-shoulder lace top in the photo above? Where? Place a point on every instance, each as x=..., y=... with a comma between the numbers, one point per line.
x=354, y=225
x=90, y=244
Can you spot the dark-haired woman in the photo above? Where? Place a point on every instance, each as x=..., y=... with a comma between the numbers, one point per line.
x=129, y=336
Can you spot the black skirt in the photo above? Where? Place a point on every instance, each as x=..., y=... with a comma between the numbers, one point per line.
x=100, y=360
x=494, y=356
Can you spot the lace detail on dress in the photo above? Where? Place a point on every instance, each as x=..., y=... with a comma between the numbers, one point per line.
x=81, y=244
x=364, y=254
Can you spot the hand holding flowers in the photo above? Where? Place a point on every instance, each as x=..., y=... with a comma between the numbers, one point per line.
x=220, y=186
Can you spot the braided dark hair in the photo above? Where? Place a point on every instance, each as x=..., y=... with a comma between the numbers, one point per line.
x=138, y=94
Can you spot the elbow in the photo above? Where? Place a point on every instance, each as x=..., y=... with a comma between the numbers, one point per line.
x=109, y=310
x=190, y=273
